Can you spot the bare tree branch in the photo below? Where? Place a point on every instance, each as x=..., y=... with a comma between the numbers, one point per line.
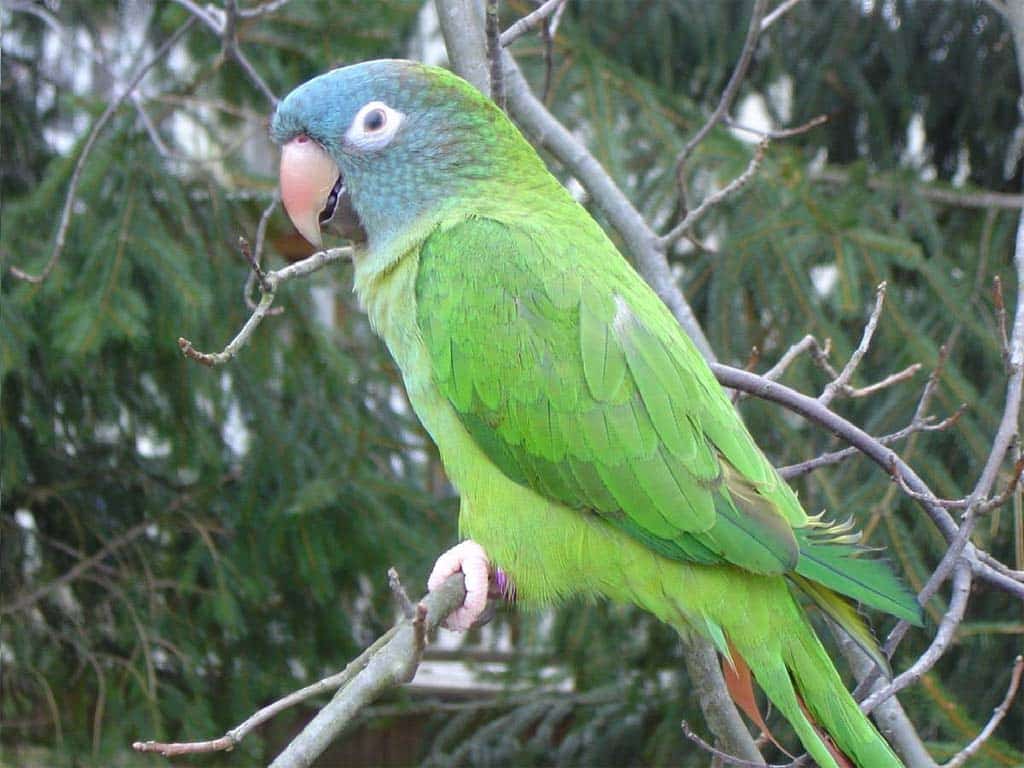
x=730, y=189
x=391, y=648
x=256, y=256
x=463, y=31
x=729, y=94
x=965, y=754
x=271, y=6
x=841, y=382
x=810, y=408
x=926, y=424
x=716, y=703
x=784, y=7
x=889, y=715
x=529, y=21
x=940, y=643
x=90, y=142
x=393, y=664
x=492, y=29
x=271, y=282
x=783, y=133
x=932, y=193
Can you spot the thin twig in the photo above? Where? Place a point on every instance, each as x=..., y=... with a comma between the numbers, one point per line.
x=234, y=737
x=842, y=381
x=273, y=280
x=529, y=22
x=939, y=645
x=725, y=757
x=926, y=424
x=232, y=50
x=693, y=216
x=388, y=658
x=257, y=257
x=97, y=128
x=782, y=133
x=401, y=596
x=271, y=6
x=961, y=757
x=731, y=89
x=254, y=264
x=888, y=381
x=778, y=13
x=1000, y=305
x=807, y=343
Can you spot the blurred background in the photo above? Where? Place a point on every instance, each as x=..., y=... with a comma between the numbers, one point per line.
x=182, y=545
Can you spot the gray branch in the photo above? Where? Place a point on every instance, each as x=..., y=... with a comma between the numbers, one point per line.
x=392, y=665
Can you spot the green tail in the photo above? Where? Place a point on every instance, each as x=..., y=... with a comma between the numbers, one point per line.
x=830, y=556
x=796, y=667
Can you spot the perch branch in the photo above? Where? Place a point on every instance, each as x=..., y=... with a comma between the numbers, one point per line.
x=394, y=664
x=379, y=667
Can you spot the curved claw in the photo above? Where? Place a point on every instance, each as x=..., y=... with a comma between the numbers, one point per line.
x=470, y=558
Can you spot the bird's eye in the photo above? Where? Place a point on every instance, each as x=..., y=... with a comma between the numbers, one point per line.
x=373, y=127
x=374, y=120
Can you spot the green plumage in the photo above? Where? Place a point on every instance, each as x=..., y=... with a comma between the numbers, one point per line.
x=593, y=450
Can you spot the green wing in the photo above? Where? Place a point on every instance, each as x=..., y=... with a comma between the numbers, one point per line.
x=576, y=381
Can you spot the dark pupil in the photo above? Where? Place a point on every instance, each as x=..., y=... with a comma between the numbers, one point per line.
x=374, y=120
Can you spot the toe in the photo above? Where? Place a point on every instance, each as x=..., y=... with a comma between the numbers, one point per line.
x=470, y=558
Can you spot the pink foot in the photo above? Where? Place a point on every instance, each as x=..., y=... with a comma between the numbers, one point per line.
x=470, y=558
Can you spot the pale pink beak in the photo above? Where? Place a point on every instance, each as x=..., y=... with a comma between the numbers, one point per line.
x=308, y=176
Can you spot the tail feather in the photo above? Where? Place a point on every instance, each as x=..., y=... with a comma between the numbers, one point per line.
x=833, y=706
x=843, y=614
x=793, y=667
x=772, y=675
x=829, y=557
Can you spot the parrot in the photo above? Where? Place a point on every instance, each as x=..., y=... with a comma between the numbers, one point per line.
x=592, y=449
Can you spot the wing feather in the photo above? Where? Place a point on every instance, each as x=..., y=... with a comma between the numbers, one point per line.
x=576, y=382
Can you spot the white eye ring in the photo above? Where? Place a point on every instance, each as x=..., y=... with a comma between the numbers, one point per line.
x=374, y=126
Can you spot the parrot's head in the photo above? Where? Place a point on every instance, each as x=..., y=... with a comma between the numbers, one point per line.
x=370, y=148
